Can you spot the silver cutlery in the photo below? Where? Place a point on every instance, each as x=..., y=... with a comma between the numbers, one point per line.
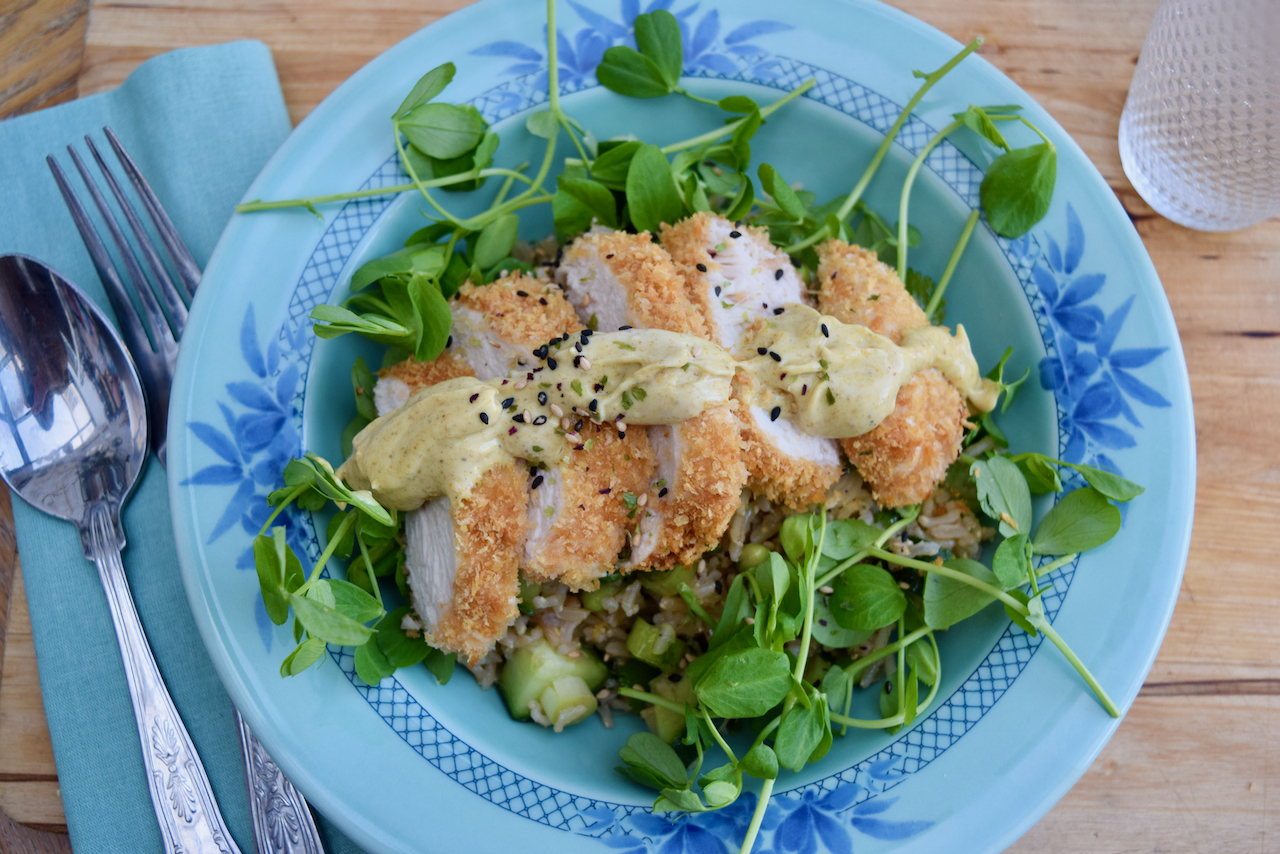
x=73, y=445
x=282, y=823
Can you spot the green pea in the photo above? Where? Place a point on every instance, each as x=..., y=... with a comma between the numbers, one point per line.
x=753, y=554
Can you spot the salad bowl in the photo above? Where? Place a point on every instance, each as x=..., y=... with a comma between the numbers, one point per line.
x=409, y=765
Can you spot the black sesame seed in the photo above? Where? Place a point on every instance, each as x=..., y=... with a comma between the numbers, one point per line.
x=537, y=481
x=576, y=360
x=826, y=333
x=506, y=403
x=719, y=586
x=521, y=294
x=804, y=389
x=702, y=268
x=717, y=290
x=475, y=396
x=774, y=413
x=484, y=418
x=542, y=300
x=623, y=328
x=662, y=493
x=541, y=352
x=735, y=234
x=622, y=434
x=777, y=275
x=775, y=356
x=606, y=490
x=607, y=257
x=518, y=417
x=593, y=404
x=542, y=398
x=533, y=471
x=674, y=677
x=540, y=420
x=778, y=311
x=577, y=427
x=762, y=350
x=449, y=343
x=551, y=363
x=597, y=387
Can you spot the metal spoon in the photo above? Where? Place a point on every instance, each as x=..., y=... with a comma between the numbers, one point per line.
x=73, y=441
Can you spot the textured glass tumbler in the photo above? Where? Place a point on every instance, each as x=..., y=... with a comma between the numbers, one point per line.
x=1200, y=133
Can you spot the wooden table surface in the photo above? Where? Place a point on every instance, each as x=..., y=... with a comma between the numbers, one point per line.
x=1192, y=765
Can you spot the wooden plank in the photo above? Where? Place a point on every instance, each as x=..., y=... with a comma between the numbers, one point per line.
x=41, y=42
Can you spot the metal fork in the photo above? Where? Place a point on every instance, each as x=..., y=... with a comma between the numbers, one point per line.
x=281, y=821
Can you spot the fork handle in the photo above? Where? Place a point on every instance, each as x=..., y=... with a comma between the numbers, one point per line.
x=180, y=790
x=282, y=823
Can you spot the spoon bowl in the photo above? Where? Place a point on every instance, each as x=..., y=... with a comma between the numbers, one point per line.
x=73, y=441
x=74, y=434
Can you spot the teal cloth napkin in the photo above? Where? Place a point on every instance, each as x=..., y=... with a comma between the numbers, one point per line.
x=201, y=123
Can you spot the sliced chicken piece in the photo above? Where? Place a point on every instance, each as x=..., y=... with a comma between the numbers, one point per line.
x=737, y=278
x=496, y=327
x=465, y=587
x=619, y=280
x=732, y=273
x=581, y=511
x=904, y=457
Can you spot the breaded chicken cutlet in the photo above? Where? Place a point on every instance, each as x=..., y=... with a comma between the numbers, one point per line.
x=906, y=455
x=618, y=280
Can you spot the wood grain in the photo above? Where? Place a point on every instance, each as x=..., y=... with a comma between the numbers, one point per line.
x=1191, y=766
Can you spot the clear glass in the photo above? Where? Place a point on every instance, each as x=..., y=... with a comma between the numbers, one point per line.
x=1200, y=133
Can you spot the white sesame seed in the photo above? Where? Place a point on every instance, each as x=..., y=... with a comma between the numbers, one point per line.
x=527, y=417
x=557, y=411
x=750, y=621
x=586, y=365
x=521, y=384
x=826, y=589
x=643, y=499
x=697, y=352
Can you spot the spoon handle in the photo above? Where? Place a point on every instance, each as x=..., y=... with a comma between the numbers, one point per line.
x=282, y=823
x=180, y=790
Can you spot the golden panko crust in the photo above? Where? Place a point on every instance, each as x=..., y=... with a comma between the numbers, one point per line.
x=906, y=455
x=418, y=375
x=593, y=519
x=655, y=288
x=707, y=489
x=530, y=320
x=779, y=476
x=856, y=287
x=489, y=528
x=687, y=242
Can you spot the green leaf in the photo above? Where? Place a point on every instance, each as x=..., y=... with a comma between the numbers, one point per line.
x=334, y=320
x=656, y=760
x=738, y=104
x=866, y=598
x=328, y=624
x=306, y=654
x=279, y=573
x=742, y=203
x=745, y=684
x=736, y=608
x=436, y=319
x=443, y=130
x=441, y=665
x=796, y=536
x=1004, y=494
x=1010, y=564
x=830, y=633
x=658, y=38
x=428, y=86
x=976, y=119
x=721, y=793
x=495, y=241
x=611, y=167
x=1111, y=485
x=923, y=662
x=921, y=287
x=595, y=197
x=354, y=602
x=760, y=762
x=571, y=217
x=889, y=704
x=362, y=383
x=800, y=733
x=912, y=704
x=1041, y=477
x=679, y=800
x=400, y=649
x=948, y=601
x=627, y=72
x=1081, y=520
x=1018, y=618
x=343, y=547
x=652, y=195
x=1018, y=188
x=371, y=665
x=845, y=537
x=782, y=193
x=543, y=124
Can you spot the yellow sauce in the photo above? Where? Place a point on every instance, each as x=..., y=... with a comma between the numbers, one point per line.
x=834, y=379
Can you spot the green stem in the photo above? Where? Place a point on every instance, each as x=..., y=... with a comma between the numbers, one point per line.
x=856, y=667
x=368, y=567
x=765, y=112
x=766, y=791
x=1107, y=703
x=693, y=97
x=889, y=532
x=1052, y=565
x=870, y=171
x=553, y=69
x=652, y=699
x=417, y=182
x=955, y=574
x=905, y=198
x=691, y=602
x=766, y=732
x=448, y=180
x=288, y=499
x=899, y=719
x=343, y=527
x=902, y=670
x=715, y=733
x=936, y=299
x=802, y=657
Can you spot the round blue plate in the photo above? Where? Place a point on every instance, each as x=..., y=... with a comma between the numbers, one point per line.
x=409, y=765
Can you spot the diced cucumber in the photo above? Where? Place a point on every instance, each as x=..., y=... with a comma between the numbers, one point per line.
x=656, y=645
x=528, y=590
x=666, y=724
x=530, y=670
x=566, y=701
x=667, y=583
x=593, y=600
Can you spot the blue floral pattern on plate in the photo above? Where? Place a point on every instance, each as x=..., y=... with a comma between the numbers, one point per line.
x=1095, y=383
